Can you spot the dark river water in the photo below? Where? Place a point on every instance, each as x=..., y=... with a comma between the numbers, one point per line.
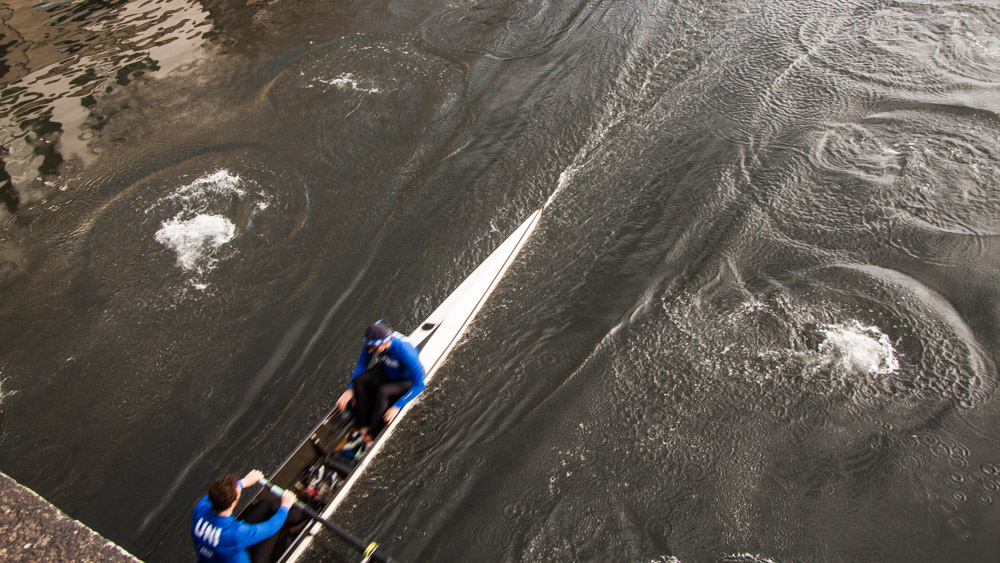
x=758, y=321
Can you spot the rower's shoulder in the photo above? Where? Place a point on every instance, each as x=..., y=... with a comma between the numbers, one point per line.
x=407, y=345
x=400, y=337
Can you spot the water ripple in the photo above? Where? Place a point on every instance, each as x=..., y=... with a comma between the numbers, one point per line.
x=389, y=72
x=264, y=207
x=914, y=46
x=962, y=42
x=896, y=178
x=366, y=96
x=47, y=115
x=505, y=31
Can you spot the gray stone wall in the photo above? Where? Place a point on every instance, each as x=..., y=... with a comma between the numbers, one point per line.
x=31, y=529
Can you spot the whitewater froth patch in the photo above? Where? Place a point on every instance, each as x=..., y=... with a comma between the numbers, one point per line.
x=195, y=240
x=346, y=81
x=220, y=182
x=200, y=226
x=855, y=348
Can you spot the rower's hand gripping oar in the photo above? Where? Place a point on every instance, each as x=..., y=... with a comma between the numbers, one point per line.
x=369, y=550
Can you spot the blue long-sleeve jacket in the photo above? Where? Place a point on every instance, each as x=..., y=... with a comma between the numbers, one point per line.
x=224, y=538
x=401, y=361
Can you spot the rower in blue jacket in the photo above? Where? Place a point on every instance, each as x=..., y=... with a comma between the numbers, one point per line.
x=388, y=375
x=219, y=537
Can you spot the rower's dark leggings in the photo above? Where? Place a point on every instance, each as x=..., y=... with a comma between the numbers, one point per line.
x=374, y=393
x=265, y=550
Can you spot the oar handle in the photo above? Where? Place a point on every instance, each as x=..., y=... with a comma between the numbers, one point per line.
x=369, y=549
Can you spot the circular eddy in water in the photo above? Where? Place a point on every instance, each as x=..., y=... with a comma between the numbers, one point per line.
x=901, y=338
x=946, y=182
x=365, y=77
x=861, y=332
x=212, y=222
x=957, y=42
x=200, y=226
x=367, y=96
x=909, y=179
x=913, y=47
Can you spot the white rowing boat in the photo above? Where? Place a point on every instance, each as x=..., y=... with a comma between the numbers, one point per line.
x=318, y=471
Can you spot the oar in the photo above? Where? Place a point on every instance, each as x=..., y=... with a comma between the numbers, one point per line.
x=369, y=550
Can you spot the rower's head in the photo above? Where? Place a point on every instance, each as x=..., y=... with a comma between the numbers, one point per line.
x=378, y=337
x=224, y=493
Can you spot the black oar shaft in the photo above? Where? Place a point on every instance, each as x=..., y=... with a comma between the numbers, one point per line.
x=369, y=549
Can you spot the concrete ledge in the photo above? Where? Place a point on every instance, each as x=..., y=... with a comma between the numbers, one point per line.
x=31, y=529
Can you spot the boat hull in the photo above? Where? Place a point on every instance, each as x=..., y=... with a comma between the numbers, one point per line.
x=321, y=471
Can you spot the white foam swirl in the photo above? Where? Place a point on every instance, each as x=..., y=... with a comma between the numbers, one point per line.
x=200, y=225
x=195, y=240
x=857, y=348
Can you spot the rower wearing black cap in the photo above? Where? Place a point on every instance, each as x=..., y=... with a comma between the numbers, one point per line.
x=388, y=375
